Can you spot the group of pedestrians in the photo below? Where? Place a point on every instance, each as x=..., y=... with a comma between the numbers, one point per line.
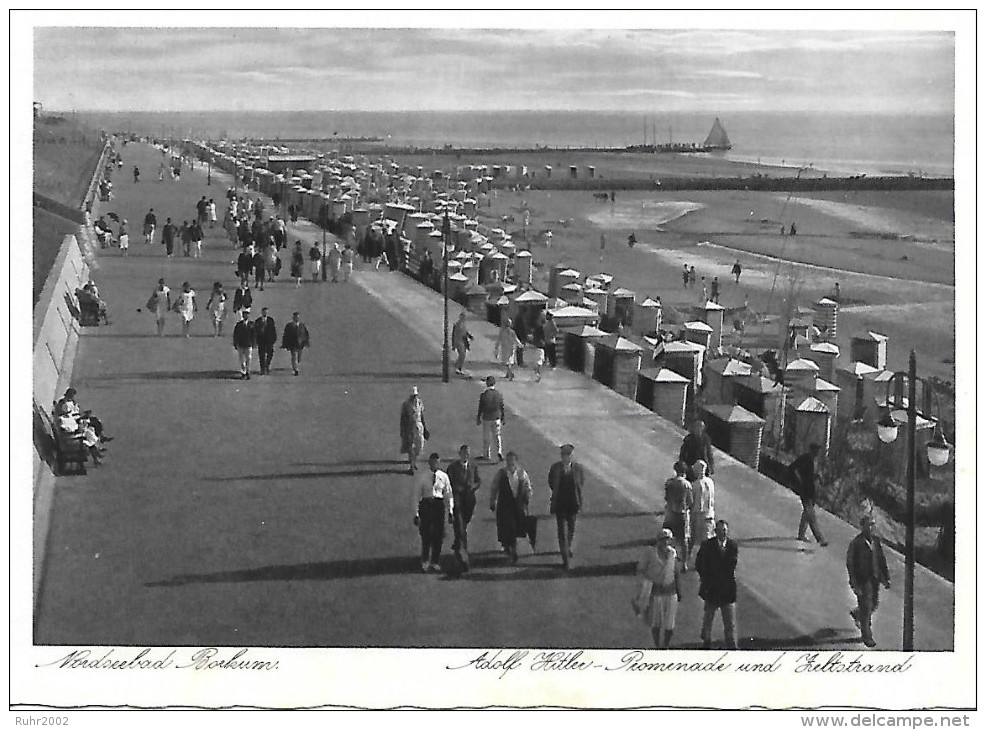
x=261, y=335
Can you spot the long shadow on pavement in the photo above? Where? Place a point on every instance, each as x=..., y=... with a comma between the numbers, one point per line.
x=169, y=375
x=309, y=475
x=765, y=543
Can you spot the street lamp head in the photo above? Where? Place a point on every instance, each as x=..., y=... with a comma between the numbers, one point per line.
x=938, y=448
x=886, y=427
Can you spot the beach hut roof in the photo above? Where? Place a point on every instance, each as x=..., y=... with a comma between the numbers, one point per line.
x=457, y=277
x=531, y=295
x=621, y=344
x=663, y=375
x=570, y=272
x=826, y=302
x=760, y=384
x=871, y=337
x=713, y=307
x=509, y=288
x=573, y=287
x=859, y=369
x=573, y=311
x=697, y=326
x=587, y=330
x=499, y=255
x=826, y=347
x=879, y=376
x=652, y=341
x=732, y=414
x=604, y=278
x=730, y=366
x=683, y=346
x=823, y=386
x=801, y=364
x=524, y=254
x=798, y=322
x=623, y=292
x=503, y=301
x=648, y=302
x=811, y=405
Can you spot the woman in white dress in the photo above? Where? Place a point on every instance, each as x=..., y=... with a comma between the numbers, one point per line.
x=657, y=597
x=212, y=213
x=186, y=307
x=217, y=305
x=505, y=349
x=703, y=505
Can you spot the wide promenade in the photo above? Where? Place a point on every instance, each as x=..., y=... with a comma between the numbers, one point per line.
x=276, y=511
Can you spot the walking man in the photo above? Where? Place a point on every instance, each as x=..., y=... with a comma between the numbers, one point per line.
x=716, y=566
x=348, y=255
x=677, y=511
x=150, y=223
x=295, y=339
x=491, y=416
x=460, y=341
x=265, y=335
x=714, y=290
x=802, y=472
x=737, y=270
x=697, y=446
x=335, y=261
x=867, y=568
x=243, y=342
x=432, y=502
x=463, y=475
x=168, y=237
x=565, y=480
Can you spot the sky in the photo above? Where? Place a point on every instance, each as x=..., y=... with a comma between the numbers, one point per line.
x=260, y=69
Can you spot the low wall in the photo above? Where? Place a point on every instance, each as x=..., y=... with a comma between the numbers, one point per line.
x=56, y=337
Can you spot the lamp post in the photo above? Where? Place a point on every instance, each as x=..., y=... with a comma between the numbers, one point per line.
x=446, y=236
x=208, y=178
x=938, y=452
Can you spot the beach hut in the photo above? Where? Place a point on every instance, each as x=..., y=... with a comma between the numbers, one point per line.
x=736, y=431
x=698, y=332
x=828, y=393
x=476, y=299
x=808, y=421
x=875, y=393
x=530, y=305
x=620, y=306
x=617, y=364
x=569, y=317
x=767, y=399
x=721, y=377
x=712, y=315
x=824, y=354
x=498, y=262
x=801, y=373
x=599, y=281
x=825, y=316
x=684, y=358
x=850, y=382
x=579, y=349
x=870, y=348
x=524, y=268
x=648, y=317
x=664, y=392
x=573, y=171
x=572, y=293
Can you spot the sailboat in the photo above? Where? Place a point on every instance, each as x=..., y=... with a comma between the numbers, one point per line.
x=717, y=139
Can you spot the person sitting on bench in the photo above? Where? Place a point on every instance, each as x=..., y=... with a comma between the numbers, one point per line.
x=88, y=296
x=83, y=430
x=67, y=405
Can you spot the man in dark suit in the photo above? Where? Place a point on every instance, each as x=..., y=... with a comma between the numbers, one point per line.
x=716, y=566
x=464, y=476
x=565, y=479
x=802, y=472
x=697, y=446
x=243, y=342
x=867, y=568
x=265, y=335
x=295, y=339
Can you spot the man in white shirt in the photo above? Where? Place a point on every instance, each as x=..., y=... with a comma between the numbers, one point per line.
x=431, y=500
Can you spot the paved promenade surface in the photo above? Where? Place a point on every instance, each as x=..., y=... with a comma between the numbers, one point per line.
x=277, y=512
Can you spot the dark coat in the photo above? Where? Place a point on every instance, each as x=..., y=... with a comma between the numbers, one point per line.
x=490, y=406
x=244, y=263
x=295, y=336
x=802, y=476
x=243, y=335
x=866, y=562
x=242, y=299
x=511, y=512
x=694, y=448
x=717, y=571
x=265, y=333
x=569, y=503
x=465, y=480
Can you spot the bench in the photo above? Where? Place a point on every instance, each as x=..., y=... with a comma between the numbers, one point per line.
x=68, y=450
x=88, y=308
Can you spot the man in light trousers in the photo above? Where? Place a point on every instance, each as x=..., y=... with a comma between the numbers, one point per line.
x=491, y=416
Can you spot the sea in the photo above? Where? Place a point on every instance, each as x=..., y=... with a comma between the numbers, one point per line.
x=845, y=143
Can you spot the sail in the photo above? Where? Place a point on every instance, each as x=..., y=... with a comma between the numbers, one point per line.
x=717, y=136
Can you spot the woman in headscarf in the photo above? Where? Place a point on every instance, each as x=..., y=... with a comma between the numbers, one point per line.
x=414, y=432
x=510, y=499
x=657, y=598
x=505, y=349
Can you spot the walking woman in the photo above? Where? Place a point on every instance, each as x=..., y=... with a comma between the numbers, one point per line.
x=703, y=505
x=505, y=349
x=186, y=306
x=297, y=264
x=414, y=432
x=510, y=499
x=160, y=304
x=660, y=590
x=217, y=305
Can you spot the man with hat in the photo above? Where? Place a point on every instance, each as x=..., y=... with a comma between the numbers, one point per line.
x=565, y=480
x=716, y=566
x=660, y=590
x=243, y=342
x=432, y=502
x=463, y=474
x=867, y=568
x=265, y=337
